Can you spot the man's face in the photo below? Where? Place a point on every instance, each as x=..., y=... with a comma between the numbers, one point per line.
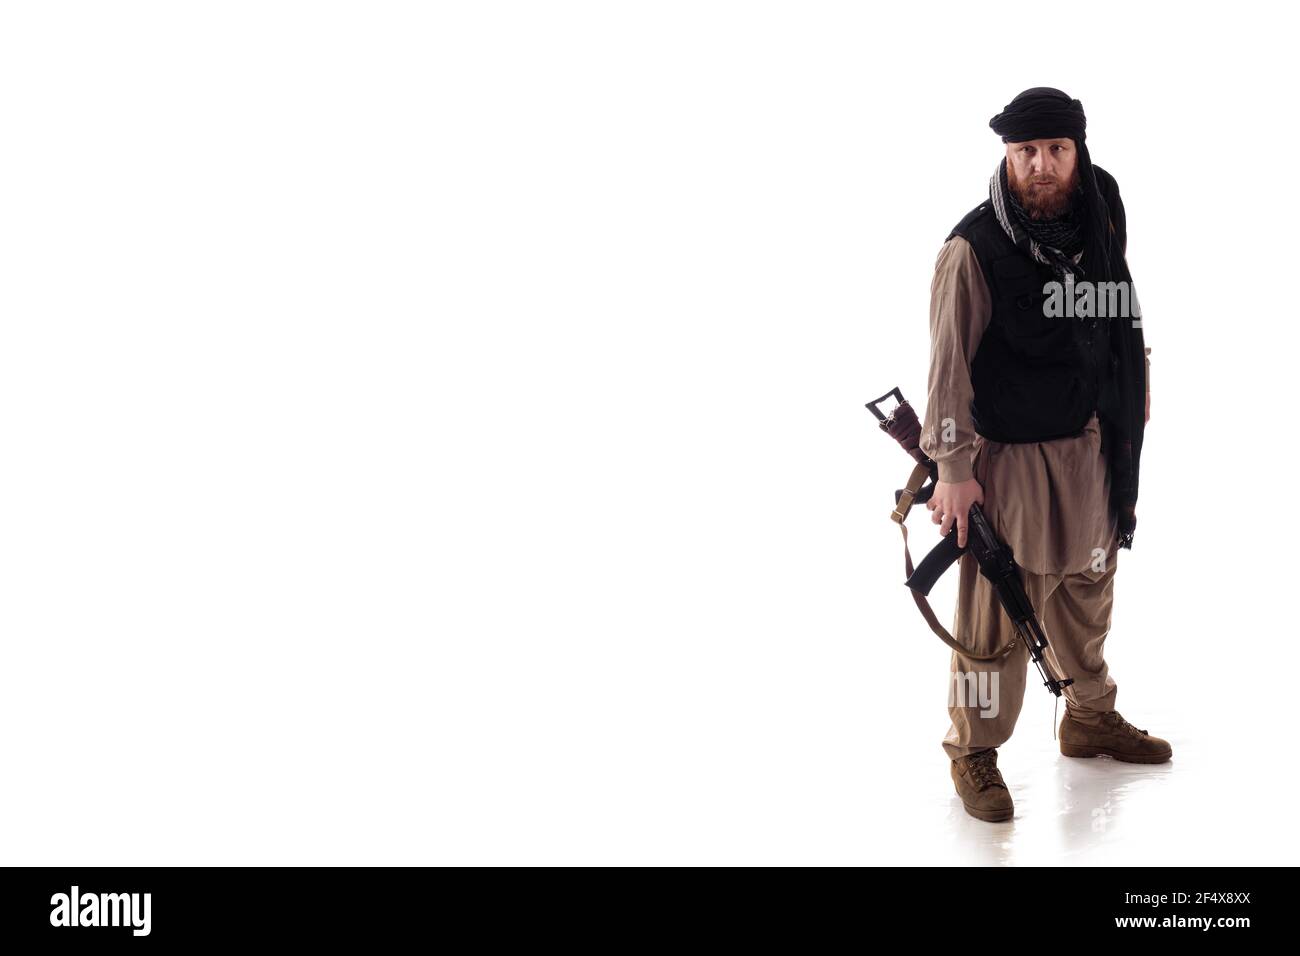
x=1043, y=173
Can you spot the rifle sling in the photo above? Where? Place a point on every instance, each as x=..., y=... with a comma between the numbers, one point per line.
x=906, y=498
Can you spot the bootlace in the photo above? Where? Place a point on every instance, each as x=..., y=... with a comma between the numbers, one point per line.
x=1119, y=723
x=984, y=768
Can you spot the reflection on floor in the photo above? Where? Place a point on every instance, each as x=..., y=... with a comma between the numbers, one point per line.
x=1096, y=811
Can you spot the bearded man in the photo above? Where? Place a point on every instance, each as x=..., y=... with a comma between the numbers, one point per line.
x=1039, y=418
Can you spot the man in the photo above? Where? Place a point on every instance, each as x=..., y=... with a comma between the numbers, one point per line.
x=1038, y=416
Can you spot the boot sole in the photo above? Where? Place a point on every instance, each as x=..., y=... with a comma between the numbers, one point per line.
x=1073, y=750
x=989, y=816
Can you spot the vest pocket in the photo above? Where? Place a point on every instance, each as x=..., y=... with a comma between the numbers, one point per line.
x=1048, y=403
x=1034, y=334
x=1021, y=303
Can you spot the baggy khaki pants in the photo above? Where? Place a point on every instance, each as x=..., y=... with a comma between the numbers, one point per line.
x=985, y=696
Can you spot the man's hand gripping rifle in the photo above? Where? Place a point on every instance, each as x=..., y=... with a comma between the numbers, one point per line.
x=995, y=559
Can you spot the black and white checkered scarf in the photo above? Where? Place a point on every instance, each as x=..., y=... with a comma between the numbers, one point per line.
x=1055, y=242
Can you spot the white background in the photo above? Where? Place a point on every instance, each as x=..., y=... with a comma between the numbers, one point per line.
x=434, y=433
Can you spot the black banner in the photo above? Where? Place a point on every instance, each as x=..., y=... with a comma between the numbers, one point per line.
x=136, y=907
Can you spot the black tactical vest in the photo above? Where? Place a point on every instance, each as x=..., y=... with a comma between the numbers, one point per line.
x=1036, y=378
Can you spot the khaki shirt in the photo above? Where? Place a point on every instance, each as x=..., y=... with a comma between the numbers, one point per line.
x=1049, y=500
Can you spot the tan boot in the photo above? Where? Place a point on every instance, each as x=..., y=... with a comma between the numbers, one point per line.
x=981, y=788
x=1114, y=737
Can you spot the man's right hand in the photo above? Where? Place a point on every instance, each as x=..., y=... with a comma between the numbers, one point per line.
x=951, y=503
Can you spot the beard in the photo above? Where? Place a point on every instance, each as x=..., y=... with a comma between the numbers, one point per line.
x=1043, y=196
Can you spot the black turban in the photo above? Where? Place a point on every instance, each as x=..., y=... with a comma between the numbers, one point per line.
x=1040, y=113
x=1047, y=113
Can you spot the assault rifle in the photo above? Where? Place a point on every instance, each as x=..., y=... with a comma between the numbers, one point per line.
x=995, y=558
